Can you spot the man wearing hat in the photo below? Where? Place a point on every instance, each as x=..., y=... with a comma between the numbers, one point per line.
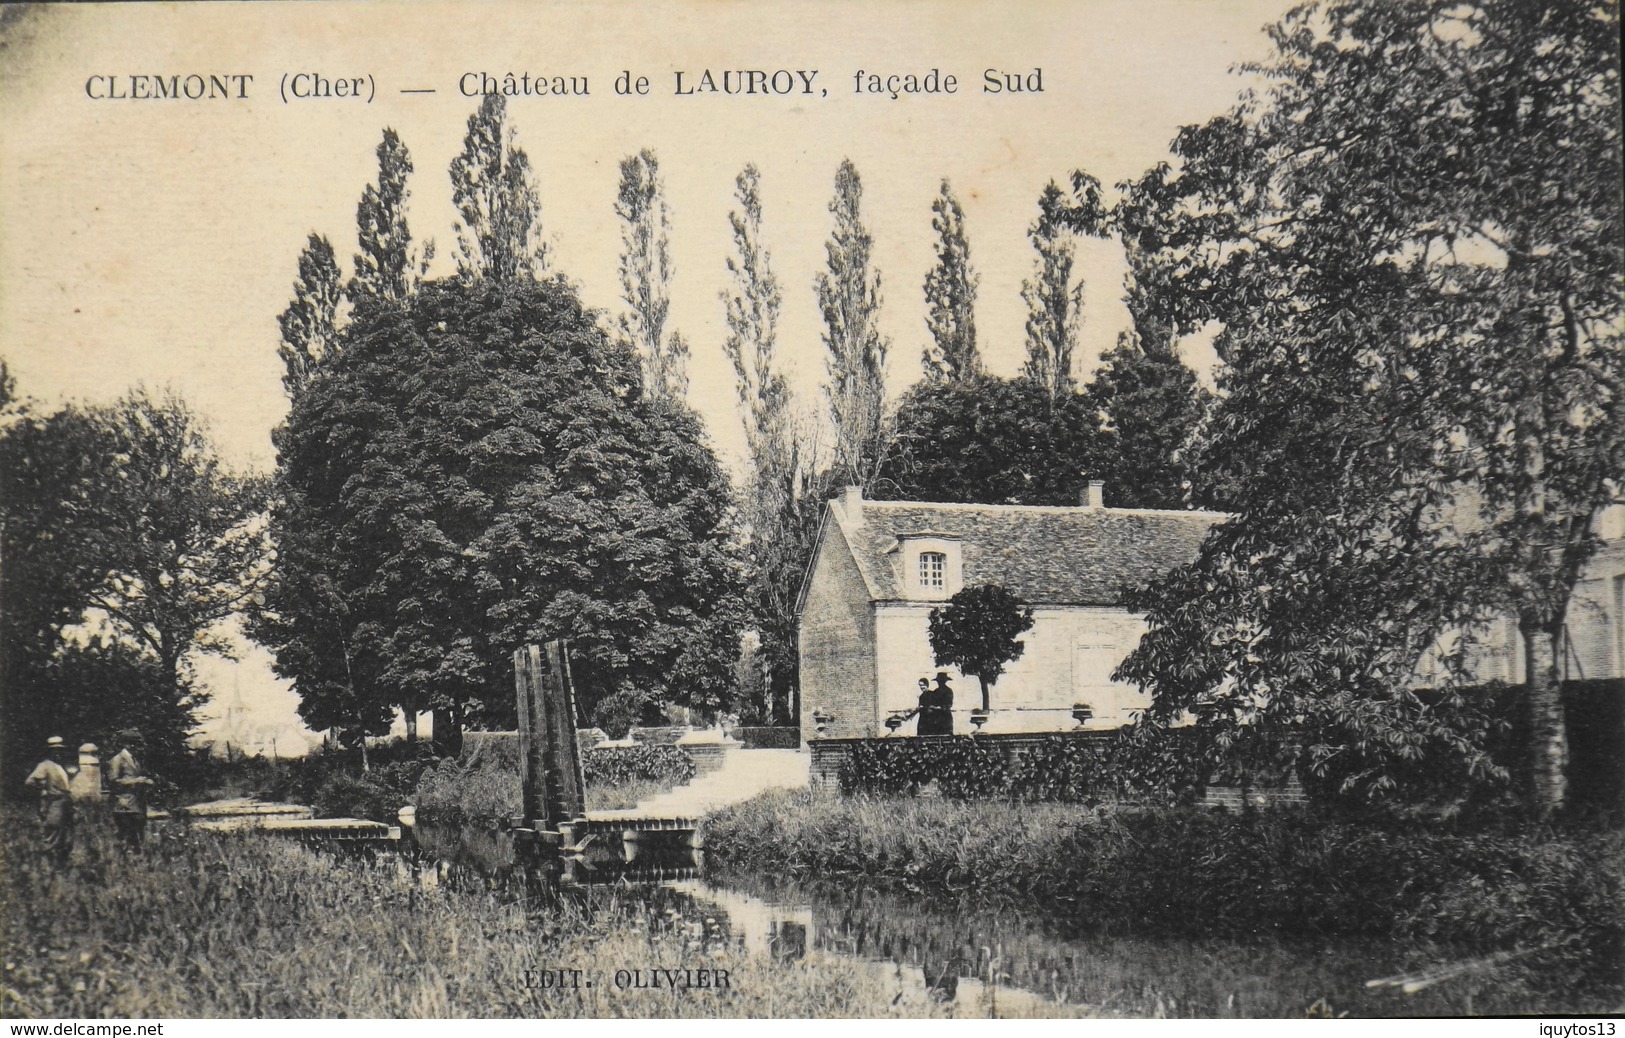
x=936, y=707
x=130, y=788
x=56, y=804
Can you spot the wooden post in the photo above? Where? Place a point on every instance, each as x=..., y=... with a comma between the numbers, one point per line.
x=552, y=779
x=525, y=683
x=571, y=786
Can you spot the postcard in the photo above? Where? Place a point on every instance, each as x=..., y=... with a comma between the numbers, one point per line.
x=718, y=509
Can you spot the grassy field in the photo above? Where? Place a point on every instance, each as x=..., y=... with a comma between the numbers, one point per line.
x=1558, y=899
x=205, y=926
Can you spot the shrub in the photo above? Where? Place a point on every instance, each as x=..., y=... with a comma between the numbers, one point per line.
x=1141, y=764
x=480, y=787
x=621, y=765
x=964, y=768
x=621, y=711
x=378, y=793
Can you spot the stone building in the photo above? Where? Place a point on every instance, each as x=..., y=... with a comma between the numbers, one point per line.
x=880, y=567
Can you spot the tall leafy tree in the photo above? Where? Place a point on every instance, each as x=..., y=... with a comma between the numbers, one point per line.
x=950, y=296
x=1150, y=402
x=309, y=325
x=1054, y=300
x=127, y=546
x=194, y=551
x=490, y=473
x=646, y=276
x=779, y=503
x=1151, y=407
x=1420, y=411
x=386, y=265
x=995, y=441
x=499, y=213
x=849, y=298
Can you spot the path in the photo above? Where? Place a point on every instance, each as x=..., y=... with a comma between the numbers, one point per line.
x=744, y=774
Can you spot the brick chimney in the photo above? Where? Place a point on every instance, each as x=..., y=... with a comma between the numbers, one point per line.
x=852, y=504
x=1095, y=496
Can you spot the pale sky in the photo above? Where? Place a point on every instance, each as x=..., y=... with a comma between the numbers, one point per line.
x=154, y=242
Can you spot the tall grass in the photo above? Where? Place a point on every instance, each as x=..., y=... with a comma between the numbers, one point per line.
x=1190, y=873
x=211, y=926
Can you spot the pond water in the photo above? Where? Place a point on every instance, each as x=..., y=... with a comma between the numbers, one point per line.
x=981, y=954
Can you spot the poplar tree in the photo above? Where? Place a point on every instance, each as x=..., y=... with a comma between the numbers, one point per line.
x=646, y=277
x=950, y=297
x=780, y=505
x=849, y=297
x=310, y=323
x=1054, y=302
x=385, y=265
x=499, y=214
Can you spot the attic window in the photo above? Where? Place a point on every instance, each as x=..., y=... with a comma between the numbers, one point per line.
x=933, y=564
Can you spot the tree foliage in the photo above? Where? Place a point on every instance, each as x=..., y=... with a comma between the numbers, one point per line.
x=979, y=631
x=1054, y=301
x=995, y=441
x=646, y=276
x=780, y=505
x=1053, y=296
x=950, y=296
x=127, y=545
x=849, y=298
x=309, y=325
x=386, y=265
x=488, y=472
x=499, y=213
x=1151, y=407
x=1411, y=242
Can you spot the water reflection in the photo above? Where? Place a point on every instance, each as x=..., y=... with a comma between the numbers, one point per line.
x=971, y=952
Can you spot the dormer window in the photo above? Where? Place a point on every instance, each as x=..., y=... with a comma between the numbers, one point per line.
x=933, y=567
x=930, y=566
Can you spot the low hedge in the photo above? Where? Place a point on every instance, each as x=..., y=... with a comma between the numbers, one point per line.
x=1129, y=764
x=618, y=765
x=766, y=737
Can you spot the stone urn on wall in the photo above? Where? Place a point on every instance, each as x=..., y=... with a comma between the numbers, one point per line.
x=821, y=720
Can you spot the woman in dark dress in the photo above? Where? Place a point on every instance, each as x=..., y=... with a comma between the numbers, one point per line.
x=936, y=707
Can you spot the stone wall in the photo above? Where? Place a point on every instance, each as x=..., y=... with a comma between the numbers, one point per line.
x=1230, y=797
x=837, y=644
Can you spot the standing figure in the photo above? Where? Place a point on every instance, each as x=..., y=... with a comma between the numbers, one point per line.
x=936, y=707
x=130, y=789
x=50, y=777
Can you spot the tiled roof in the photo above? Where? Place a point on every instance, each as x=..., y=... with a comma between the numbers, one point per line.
x=1044, y=555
